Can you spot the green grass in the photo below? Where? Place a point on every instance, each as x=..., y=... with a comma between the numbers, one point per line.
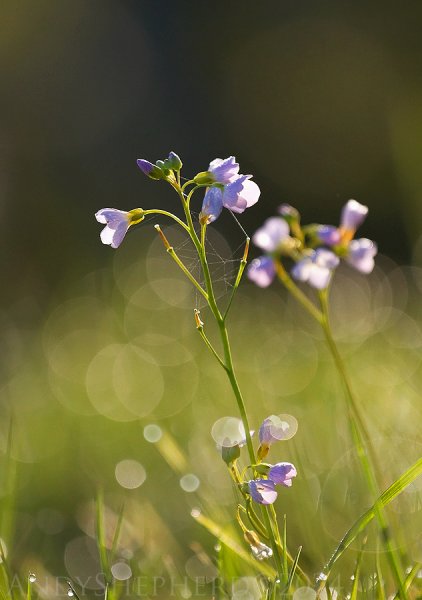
x=121, y=352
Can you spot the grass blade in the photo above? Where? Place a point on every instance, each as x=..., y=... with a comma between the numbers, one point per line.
x=228, y=541
x=386, y=497
x=410, y=578
x=293, y=570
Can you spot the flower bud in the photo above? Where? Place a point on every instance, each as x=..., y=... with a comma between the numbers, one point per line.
x=289, y=213
x=150, y=170
x=174, y=161
x=230, y=453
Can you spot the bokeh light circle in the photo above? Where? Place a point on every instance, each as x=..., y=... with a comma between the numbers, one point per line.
x=189, y=482
x=152, y=433
x=130, y=474
x=228, y=431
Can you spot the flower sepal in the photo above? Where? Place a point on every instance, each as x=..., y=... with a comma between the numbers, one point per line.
x=230, y=454
x=204, y=178
x=262, y=468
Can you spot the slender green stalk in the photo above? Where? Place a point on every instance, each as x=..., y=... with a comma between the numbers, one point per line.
x=180, y=263
x=368, y=466
x=226, y=363
x=358, y=428
x=290, y=285
x=156, y=211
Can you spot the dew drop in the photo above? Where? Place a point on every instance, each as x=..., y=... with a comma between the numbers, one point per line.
x=32, y=578
x=70, y=593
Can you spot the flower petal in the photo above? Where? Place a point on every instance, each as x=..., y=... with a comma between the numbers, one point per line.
x=271, y=234
x=224, y=170
x=263, y=491
x=361, y=254
x=353, y=215
x=282, y=473
x=261, y=271
x=212, y=205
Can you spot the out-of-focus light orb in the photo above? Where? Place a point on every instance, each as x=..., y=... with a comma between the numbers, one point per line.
x=200, y=567
x=228, y=431
x=152, y=433
x=246, y=588
x=304, y=593
x=121, y=571
x=50, y=521
x=130, y=474
x=189, y=482
x=285, y=427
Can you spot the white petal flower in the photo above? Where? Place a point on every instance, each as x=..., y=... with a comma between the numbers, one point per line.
x=117, y=223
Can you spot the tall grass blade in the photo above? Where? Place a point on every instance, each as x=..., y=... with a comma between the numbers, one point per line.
x=410, y=578
x=293, y=570
x=228, y=541
x=386, y=497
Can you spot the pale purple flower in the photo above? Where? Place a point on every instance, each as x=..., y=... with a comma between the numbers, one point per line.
x=261, y=271
x=212, y=205
x=262, y=491
x=271, y=235
x=272, y=430
x=282, y=473
x=329, y=235
x=352, y=215
x=224, y=170
x=316, y=269
x=237, y=196
x=361, y=254
x=240, y=194
x=117, y=223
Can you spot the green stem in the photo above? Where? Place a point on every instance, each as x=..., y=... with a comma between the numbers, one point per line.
x=228, y=361
x=290, y=285
x=156, y=211
x=358, y=432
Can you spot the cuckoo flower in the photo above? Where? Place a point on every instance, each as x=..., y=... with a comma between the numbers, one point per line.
x=282, y=473
x=353, y=215
x=117, y=223
x=262, y=271
x=224, y=170
x=361, y=254
x=316, y=268
x=271, y=235
x=237, y=195
x=273, y=429
x=262, y=491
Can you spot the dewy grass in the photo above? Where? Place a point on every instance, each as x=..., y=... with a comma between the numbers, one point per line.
x=316, y=252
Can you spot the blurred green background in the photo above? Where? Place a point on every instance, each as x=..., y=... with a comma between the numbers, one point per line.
x=321, y=101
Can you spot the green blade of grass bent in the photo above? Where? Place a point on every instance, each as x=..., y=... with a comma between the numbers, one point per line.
x=410, y=577
x=386, y=497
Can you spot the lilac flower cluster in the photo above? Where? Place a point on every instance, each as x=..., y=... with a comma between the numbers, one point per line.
x=225, y=188
x=315, y=249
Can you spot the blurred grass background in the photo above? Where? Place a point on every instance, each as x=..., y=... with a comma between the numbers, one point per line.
x=321, y=102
